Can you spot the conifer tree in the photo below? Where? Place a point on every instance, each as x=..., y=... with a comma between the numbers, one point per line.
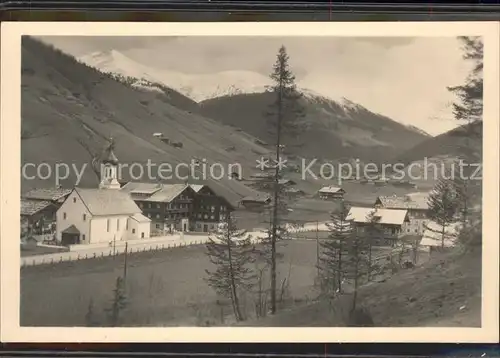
x=334, y=253
x=469, y=108
x=356, y=263
x=285, y=119
x=469, y=104
x=443, y=206
x=118, y=303
x=231, y=251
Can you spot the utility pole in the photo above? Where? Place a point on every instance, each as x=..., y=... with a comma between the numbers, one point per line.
x=317, y=247
x=125, y=263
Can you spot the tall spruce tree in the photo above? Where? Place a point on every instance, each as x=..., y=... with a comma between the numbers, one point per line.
x=118, y=303
x=285, y=118
x=356, y=264
x=443, y=207
x=231, y=251
x=469, y=104
x=468, y=108
x=334, y=253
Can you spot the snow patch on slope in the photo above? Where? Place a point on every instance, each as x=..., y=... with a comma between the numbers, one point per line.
x=198, y=87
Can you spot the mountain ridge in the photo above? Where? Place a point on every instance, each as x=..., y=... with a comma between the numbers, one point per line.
x=69, y=110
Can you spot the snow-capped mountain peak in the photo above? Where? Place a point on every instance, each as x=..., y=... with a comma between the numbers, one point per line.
x=198, y=87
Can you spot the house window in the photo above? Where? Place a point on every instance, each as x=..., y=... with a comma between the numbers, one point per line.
x=83, y=237
x=212, y=217
x=142, y=235
x=74, y=200
x=107, y=225
x=64, y=216
x=84, y=217
x=212, y=208
x=140, y=205
x=133, y=231
x=157, y=206
x=157, y=216
x=157, y=226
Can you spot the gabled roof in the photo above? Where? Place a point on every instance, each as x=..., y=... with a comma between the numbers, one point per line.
x=403, y=202
x=331, y=190
x=71, y=230
x=52, y=194
x=140, y=218
x=157, y=192
x=257, y=198
x=197, y=187
x=107, y=201
x=31, y=207
x=141, y=188
x=384, y=216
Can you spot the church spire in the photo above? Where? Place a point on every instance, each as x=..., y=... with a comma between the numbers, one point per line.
x=109, y=168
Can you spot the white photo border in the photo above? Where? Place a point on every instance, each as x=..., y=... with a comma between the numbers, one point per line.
x=10, y=130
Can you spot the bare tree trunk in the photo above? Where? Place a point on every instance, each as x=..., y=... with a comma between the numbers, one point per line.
x=339, y=264
x=442, y=236
x=234, y=293
x=276, y=200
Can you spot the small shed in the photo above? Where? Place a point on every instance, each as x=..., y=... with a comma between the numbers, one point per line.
x=331, y=192
x=70, y=236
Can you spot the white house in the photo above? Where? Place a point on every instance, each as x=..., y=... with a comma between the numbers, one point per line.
x=105, y=214
x=393, y=223
x=331, y=192
x=415, y=204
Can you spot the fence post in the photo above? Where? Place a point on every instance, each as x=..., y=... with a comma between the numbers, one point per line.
x=78, y=258
x=52, y=260
x=94, y=255
x=85, y=256
x=102, y=254
x=60, y=259
x=33, y=262
x=162, y=246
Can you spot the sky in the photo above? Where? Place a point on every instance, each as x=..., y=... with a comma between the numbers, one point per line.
x=403, y=78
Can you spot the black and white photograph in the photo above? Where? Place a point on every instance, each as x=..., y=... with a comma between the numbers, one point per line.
x=236, y=181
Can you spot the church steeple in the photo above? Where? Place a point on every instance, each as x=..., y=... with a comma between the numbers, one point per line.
x=109, y=168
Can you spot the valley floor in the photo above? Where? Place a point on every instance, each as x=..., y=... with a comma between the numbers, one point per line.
x=163, y=288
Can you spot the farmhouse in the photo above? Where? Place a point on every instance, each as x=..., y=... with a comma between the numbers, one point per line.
x=38, y=212
x=182, y=207
x=169, y=206
x=331, y=192
x=105, y=214
x=416, y=205
x=209, y=209
x=37, y=219
x=256, y=201
x=391, y=223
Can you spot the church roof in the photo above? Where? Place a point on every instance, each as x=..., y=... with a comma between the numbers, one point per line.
x=107, y=202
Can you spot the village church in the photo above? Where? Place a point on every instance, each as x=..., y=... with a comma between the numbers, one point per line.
x=104, y=214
